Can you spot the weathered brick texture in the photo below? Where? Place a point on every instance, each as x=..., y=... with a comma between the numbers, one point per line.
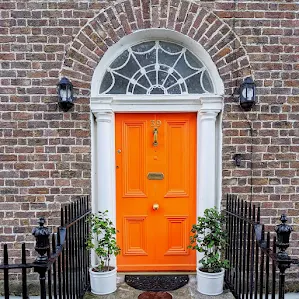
x=45, y=153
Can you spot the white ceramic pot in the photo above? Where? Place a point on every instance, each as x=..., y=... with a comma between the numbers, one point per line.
x=210, y=283
x=103, y=283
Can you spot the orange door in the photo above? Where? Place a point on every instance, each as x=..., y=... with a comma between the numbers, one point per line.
x=155, y=178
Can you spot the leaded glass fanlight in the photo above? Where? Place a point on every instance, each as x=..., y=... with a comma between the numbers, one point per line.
x=156, y=67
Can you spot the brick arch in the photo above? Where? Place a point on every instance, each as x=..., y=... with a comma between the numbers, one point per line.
x=125, y=17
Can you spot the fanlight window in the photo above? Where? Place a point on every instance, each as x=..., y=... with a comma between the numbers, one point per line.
x=156, y=67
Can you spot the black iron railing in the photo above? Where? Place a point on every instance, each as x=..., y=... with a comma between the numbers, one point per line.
x=256, y=262
x=63, y=263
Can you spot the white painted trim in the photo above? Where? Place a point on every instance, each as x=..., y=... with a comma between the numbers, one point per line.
x=94, y=203
x=207, y=132
x=207, y=106
x=155, y=34
x=219, y=160
x=206, y=157
x=93, y=157
x=162, y=103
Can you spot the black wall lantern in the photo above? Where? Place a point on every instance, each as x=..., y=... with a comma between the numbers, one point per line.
x=65, y=94
x=247, y=94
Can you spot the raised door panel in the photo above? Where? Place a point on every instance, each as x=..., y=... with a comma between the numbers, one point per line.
x=177, y=235
x=134, y=176
x=177, y=155
x=135, y=235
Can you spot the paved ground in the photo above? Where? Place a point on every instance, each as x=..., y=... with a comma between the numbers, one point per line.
x=187, y=292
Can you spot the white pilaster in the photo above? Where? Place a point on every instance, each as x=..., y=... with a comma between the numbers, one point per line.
x=206, y=171
x=104, y=177
x=206, y=168
x=105, y=181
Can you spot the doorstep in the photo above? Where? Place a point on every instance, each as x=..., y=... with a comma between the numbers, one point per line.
x=186, y=292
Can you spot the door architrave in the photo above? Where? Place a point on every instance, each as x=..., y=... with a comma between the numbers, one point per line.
x=209, y=109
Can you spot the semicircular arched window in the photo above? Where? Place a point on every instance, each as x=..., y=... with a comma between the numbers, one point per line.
x=156, y=67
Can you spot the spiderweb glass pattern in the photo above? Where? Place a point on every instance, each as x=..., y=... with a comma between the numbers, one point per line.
x=156, y=67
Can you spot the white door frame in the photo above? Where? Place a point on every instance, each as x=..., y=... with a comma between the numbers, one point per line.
x=208, y=151
x=209, y=120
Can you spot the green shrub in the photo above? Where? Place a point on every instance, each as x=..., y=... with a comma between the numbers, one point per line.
x=209, y=237
x=102, y=239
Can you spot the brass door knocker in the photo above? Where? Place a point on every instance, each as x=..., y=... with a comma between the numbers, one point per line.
x=155, y=124
x=155, y=143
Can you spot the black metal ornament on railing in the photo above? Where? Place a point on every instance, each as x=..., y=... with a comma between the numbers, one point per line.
x=42, y=246
x=284, y=262
x=283, y=232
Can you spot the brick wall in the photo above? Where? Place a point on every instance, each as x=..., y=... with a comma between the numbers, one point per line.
x=45, y=153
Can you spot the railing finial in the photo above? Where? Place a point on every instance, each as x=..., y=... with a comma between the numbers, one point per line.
x=42, y=246
x=283, y=232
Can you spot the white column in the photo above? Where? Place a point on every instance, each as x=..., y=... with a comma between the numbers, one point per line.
x=105, y=168
x=105, y=163
x=206, y=164
x=206, y=174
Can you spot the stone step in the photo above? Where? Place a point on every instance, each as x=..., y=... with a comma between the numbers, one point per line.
x=187, y=292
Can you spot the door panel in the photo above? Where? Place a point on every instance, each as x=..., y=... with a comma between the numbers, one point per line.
x=177, y=234
x=155, y=164
x=134, y=176
x=135, y=230
x=177, y=156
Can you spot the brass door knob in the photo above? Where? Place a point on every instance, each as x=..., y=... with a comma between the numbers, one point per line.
x=155, y=206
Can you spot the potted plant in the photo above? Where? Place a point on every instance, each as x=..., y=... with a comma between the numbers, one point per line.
x=209, y=239
x=102, y=240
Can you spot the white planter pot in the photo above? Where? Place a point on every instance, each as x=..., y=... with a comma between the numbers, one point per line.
x=103, y=283
x=210, y=283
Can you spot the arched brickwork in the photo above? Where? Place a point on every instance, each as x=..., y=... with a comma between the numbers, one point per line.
x=125, y=17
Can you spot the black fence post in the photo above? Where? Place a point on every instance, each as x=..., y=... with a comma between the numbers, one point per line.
x=283, y=232
x=42, y=247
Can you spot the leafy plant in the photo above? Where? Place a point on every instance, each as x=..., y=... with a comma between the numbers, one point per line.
x=210, y=238
x=102, y=239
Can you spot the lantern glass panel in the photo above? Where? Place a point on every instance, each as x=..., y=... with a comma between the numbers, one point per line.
x=63, y=93
x=247, y=93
